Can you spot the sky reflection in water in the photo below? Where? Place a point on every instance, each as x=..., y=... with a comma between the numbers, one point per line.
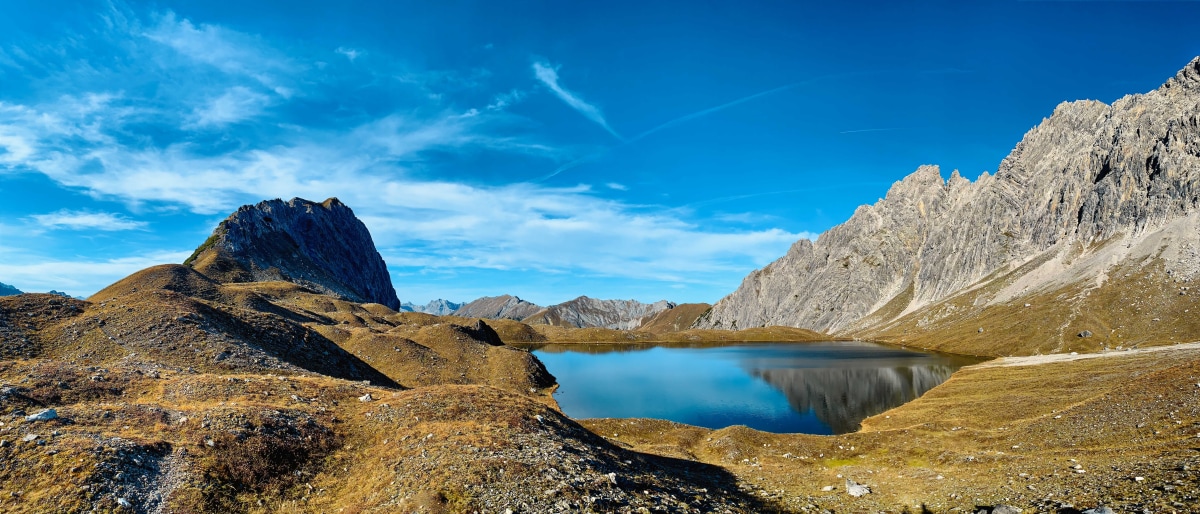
x=815, y=388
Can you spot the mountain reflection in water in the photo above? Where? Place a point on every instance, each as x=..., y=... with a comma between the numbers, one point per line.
x=843, y=397
x=821, y=388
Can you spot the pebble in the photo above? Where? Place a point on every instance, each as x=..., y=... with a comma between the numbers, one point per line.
x=1139, y=479
x=29, y=437
x=827, y=488
x=1005, y=509
x=124, y=503
x=1103, y=509
x=365, y=398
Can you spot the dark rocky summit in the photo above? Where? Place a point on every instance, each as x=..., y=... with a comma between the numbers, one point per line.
x=7, y=290
x=321, y=246
x=1092, y=188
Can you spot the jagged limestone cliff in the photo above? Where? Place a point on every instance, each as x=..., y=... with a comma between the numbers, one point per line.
x=321, y=246
x=1091, y=189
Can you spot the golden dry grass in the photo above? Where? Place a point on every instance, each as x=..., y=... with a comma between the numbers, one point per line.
x=993, y=435
x=1138, y=306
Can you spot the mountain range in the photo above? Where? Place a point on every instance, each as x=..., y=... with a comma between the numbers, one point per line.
x=437, y=307
x=581, y=312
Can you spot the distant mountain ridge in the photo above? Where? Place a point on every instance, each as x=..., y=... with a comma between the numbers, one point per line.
x=7, y=290
x=497, y=307
x=437, y=307
x=581, y=312
x=1094, y=214
x=584, y=312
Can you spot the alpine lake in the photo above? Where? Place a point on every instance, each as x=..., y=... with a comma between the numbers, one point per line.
x=810, y=387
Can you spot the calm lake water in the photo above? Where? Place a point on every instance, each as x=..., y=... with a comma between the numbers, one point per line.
x=815, y=388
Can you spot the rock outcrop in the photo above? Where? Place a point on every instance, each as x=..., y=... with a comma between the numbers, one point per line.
x=321, y=246
x=498, y=307
x=584, y=312
x=1092, y=187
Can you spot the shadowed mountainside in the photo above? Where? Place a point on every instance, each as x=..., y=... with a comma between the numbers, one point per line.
x=321, y=246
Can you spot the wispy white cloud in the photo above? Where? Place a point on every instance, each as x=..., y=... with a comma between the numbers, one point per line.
x=226, y=50
x=235, y=104
x=384, y=164
x=548, y=75
x=350, y=53
x=443, y=225
x=87, y=220
x=79, y=276
x=504, y=100
x=617, y=186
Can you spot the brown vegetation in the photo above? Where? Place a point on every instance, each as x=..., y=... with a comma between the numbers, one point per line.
x=178, y=393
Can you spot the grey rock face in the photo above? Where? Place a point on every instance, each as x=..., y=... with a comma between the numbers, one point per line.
x=497, y=307
x=584, y=312
x=321, y=246
x=1086, y=174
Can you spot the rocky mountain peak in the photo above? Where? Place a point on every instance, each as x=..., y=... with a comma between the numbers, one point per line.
x=1187, y=78
x=1089, y=173
x=496, y=307
x=584, y=312
x=321, y=246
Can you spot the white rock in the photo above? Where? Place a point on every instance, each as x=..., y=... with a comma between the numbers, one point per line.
x=366, y=398
x=124, y=503
x=45, y=415
x=855, y=489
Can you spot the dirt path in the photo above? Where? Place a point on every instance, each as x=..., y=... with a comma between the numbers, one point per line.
x=1066, y=357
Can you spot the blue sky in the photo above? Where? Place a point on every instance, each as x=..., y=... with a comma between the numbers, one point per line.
x=641, y=150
